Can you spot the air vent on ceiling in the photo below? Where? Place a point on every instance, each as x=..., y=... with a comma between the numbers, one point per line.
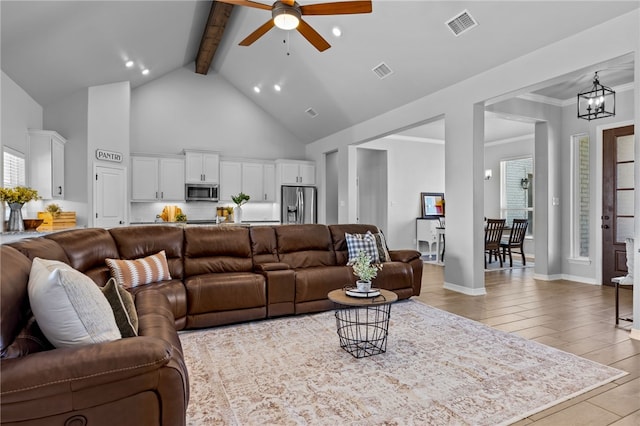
x=461, y=23
x=312, y=112
x=382, y=70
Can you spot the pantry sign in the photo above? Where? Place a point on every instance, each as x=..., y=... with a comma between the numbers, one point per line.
x=105, y=155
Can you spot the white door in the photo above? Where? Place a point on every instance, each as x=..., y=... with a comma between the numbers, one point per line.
x=110, y=197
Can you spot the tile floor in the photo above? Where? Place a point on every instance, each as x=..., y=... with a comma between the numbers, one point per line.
x=574, y=317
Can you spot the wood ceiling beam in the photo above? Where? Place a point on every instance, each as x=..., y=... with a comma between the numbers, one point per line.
x=213, y=31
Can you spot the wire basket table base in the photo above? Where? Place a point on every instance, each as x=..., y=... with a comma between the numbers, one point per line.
x=363, y=331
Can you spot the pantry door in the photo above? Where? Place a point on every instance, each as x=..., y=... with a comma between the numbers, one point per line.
x=110, y=196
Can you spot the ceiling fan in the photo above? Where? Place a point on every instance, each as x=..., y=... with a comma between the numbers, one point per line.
x=287, y=15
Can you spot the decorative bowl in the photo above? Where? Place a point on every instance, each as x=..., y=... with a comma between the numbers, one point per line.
x=31, y=224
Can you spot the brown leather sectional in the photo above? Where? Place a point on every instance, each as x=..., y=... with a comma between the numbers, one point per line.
x=220, y=275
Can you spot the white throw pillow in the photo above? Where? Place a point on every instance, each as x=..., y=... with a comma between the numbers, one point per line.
x=68, y=306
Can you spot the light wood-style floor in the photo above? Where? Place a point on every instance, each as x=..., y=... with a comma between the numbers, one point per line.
x=574, y=317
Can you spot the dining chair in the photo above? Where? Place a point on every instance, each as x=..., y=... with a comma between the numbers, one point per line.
x=492, y=238
x=515, y=241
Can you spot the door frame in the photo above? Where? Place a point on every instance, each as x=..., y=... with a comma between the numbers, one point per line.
x=125, y=195
x=597, y=253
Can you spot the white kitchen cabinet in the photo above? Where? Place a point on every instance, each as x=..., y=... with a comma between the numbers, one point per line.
x=46, y=163
x=254, y=178
x=230, y=179
x=157, y=178
x=269, y=182
x=296, y=172
x=202, y=167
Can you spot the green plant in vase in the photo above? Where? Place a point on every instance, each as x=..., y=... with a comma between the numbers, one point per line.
x=365, y=270
x=240, y=200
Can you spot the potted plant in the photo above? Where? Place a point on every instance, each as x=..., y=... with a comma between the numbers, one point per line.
x=54, y=209
x=16, y=198
x=365, y=270
x=240, y=200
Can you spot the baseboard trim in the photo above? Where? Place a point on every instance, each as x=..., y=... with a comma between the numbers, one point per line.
x=541, y=277
x=465, y=290
x=635, y=334
x=584, y=280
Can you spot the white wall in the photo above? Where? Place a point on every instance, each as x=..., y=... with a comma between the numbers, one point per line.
x=19, y=113
x=107, y=128
x=68, y=117
x=187, y=110
x=413, y=167
x=611, y=39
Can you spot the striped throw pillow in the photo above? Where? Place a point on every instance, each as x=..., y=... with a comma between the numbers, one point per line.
x=146, y=270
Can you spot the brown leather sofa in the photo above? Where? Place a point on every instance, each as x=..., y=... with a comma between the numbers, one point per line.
x=220, y=275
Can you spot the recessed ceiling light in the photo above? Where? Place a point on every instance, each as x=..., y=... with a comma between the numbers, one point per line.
x=336, y=31
x=277, y=87
x=145, y=71
x=256, y=89
x=128, y=64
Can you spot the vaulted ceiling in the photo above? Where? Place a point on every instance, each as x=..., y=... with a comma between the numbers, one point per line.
x=53, y=48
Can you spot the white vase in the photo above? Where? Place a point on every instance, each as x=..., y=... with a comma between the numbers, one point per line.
x=237, y=214
x=363, y=286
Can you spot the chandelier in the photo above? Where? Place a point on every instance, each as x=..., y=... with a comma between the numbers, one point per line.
x=596, y=102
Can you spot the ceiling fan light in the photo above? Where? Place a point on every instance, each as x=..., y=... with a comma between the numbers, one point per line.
x=286, y=17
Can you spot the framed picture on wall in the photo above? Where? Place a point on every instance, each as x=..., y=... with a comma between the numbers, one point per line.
x=432, y=204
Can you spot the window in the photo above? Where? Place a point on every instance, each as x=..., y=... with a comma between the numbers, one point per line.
x=516, y=187
x=14, y=168
x=580, y=200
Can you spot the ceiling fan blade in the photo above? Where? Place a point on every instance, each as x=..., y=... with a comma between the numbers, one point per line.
x=337, y=8
x=312, y=36
x=247, y=3
x=289, y=2
x=257, y=33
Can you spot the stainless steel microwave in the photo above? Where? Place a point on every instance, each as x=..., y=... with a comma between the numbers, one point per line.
x=201, y=192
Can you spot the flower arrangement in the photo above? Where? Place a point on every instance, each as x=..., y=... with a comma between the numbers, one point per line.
x=19, y=194
x=240, y=199
x=363, y=268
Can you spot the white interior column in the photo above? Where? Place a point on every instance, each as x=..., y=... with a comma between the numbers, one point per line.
x=464, y=199
x=635, y=326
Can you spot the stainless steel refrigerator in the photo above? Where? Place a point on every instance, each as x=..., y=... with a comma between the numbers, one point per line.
x=298, y=204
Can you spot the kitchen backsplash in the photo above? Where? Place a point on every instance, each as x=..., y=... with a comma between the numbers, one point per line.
x=251, y=212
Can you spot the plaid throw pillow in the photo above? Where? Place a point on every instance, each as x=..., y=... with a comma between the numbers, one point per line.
x=132, y=273
x=361, y=242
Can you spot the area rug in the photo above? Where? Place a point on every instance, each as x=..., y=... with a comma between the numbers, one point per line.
x=439, y=369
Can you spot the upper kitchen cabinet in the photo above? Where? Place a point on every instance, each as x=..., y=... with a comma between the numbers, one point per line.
x=46, y=163
x=202, y=167
x=258, y=181
x=254, y=178
x=230, y=179
x=157, y=178
x=296, y=172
